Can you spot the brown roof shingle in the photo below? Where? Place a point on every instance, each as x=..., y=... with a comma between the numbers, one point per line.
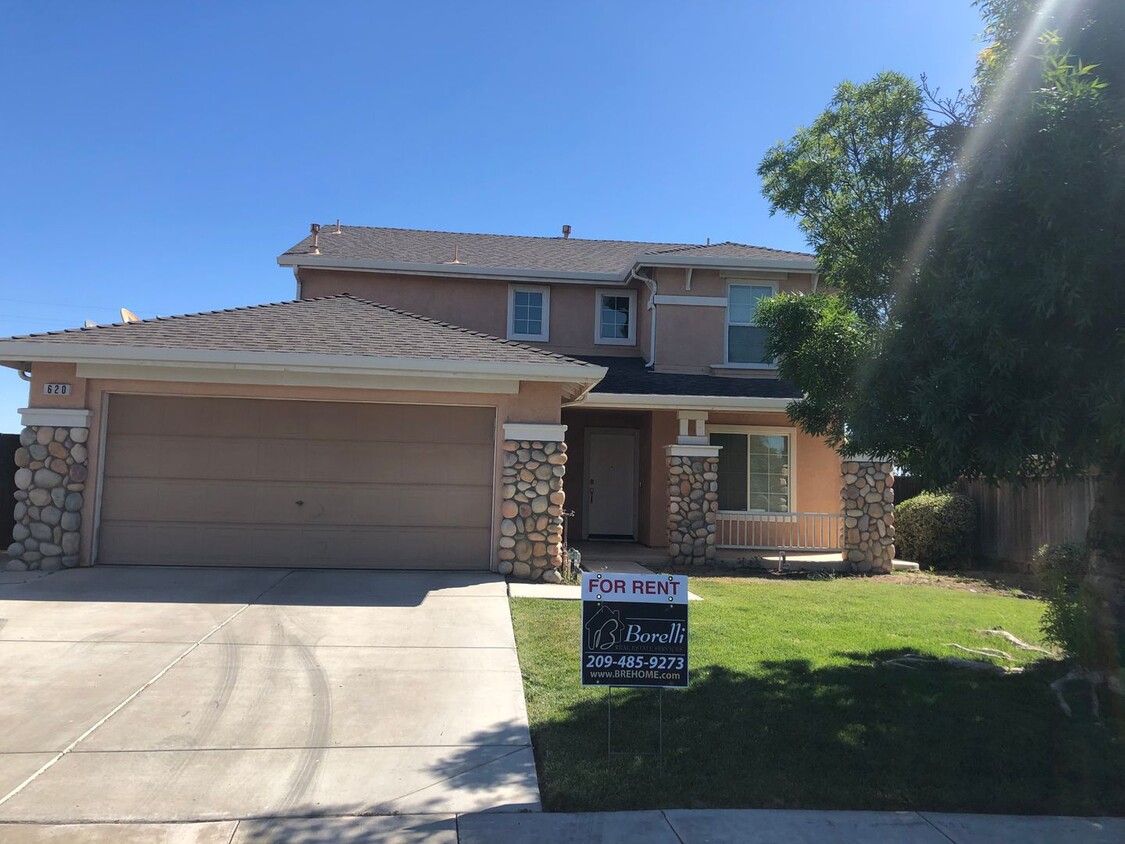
x=412, y=246
x=332, y=325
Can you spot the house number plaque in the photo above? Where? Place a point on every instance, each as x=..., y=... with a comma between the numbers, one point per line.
x=56, y=389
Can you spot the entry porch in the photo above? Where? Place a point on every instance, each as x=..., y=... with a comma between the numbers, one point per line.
x=698, y=483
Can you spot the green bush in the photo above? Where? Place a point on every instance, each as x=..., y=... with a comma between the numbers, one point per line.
x=936, y=529
x=1067, y=621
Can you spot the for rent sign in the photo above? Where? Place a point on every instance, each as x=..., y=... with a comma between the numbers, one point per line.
x=634, y=630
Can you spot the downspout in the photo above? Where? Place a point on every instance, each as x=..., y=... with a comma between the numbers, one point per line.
x=297, y=276
x=635, y=276
x=24, y=372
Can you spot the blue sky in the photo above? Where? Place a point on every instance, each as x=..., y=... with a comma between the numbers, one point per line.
x=159, y=156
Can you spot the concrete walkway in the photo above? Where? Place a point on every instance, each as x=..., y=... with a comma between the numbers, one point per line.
x=749, y=826
x=177, y=694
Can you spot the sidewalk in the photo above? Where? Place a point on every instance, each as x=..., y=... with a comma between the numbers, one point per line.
x=703, y=826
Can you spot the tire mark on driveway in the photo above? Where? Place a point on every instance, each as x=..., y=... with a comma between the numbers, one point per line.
x=50, y=763
x=320, y=724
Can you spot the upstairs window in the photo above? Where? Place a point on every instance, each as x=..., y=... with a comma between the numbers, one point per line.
x=746, y=343
x=755, y=470
x=529, y=312
x=616, y=317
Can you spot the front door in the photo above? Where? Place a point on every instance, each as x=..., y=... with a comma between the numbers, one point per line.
x=611, y=483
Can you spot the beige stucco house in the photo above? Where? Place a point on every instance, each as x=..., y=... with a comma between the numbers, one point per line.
x=432, y=400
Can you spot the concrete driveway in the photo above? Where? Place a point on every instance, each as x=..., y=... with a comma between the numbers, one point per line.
x=164, y=694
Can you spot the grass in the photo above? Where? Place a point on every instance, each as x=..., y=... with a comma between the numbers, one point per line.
x=789, y=708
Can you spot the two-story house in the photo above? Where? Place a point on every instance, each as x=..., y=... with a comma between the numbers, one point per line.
x=431, y=400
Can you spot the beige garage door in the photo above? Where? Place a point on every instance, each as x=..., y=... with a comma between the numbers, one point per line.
x=234, y=482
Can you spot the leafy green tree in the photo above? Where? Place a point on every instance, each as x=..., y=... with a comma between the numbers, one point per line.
x=993, y=301
x=856, y=180
x=1005, y=358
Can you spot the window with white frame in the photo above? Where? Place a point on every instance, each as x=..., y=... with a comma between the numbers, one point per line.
x=755, y=470
x=746, y=342
x=616, y=317
x=529, y=312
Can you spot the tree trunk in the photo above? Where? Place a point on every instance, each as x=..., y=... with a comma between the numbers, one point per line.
x=1105, y=579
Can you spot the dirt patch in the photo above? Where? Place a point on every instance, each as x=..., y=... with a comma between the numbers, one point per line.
x=1010, y=584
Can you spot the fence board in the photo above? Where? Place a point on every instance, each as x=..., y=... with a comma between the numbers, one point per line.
x=1015, y=520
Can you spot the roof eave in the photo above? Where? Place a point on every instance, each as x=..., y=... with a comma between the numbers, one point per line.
x=458, y=270
x=623, y=401
x=18, y=352
x=802, y=265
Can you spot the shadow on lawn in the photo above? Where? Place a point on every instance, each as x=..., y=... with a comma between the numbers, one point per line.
x=856, y=736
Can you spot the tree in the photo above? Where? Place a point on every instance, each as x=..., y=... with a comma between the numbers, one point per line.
x=856, y=180
x=1000, y=352
x=1005, y=358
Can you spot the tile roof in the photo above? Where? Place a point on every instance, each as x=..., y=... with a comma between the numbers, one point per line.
x=411, y=246
x=331, y=325
x=630, y=376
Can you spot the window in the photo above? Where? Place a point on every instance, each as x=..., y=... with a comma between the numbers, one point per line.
x=754, y=470
x=616, y=317
x=746, y=343
x=529, y=313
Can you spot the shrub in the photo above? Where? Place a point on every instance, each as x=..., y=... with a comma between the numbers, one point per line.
x=936, y=529
x=1067, y=620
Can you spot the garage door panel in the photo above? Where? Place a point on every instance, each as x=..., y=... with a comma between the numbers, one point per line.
x=194, y=501
x=254, y=482
x=150, y=456
x=151, y=543
x=412, y=463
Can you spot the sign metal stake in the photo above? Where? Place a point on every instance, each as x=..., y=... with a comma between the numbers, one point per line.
x=634, y=634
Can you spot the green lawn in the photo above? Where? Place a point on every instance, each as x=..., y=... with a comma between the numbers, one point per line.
x=788, y=708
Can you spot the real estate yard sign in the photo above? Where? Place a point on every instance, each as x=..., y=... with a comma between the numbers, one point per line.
x=634, y=630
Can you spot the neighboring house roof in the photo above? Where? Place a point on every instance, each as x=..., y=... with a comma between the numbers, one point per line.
x=467, y=254
x=310, y=332
x=629, y=377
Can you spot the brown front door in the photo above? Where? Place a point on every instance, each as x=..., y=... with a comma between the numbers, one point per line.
x=611, y=483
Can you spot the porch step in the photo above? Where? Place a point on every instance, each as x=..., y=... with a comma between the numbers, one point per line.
x=903, y=565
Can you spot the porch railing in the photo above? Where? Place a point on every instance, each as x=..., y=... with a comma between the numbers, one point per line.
x=780, y=531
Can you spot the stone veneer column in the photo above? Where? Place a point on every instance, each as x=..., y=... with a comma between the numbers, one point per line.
x=693, y=502
x=869, y=515
x=50, y=489
x=531, y=502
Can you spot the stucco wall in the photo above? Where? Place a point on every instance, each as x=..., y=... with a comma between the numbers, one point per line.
x=481, y=305
x=691, y=338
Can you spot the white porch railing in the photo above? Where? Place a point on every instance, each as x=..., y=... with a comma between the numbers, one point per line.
x=780, y=531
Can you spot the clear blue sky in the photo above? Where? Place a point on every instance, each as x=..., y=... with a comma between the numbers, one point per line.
x=159, y=156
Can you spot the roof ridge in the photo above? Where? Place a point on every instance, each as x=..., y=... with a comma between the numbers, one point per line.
x=684, y=248
x=726, y=243
x=766, y=248
x=79, y=329
x=479, y=334
x=328, y=227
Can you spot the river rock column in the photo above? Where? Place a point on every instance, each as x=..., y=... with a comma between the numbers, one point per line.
x=52, y=463
x=869, y=515
x=693, y=503
x=531, y=502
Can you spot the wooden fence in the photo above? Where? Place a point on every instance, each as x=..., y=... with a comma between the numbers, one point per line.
x=1015, y=520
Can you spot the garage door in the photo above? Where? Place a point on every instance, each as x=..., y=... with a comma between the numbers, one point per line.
x=234, y=482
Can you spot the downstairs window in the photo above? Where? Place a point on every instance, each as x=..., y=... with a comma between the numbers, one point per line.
x=755, y=471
